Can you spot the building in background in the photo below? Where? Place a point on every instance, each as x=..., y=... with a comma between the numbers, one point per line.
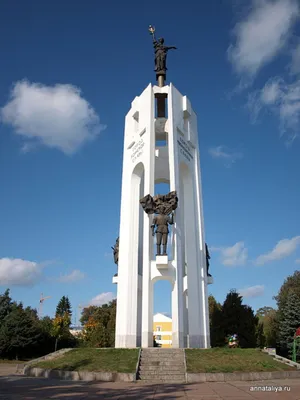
x=76, y=330
x=162, y=330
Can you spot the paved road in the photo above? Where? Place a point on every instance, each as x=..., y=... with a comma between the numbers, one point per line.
x=16, y=387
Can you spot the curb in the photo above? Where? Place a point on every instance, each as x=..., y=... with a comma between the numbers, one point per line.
x=131, y=377
x=281, y=359
x=49, y=356
x=138, y=364
x=79, y=376
x=185, y=367
x=241, y=376
x=287, y=361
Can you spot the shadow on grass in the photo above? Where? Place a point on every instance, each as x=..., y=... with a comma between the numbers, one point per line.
x=76, y=365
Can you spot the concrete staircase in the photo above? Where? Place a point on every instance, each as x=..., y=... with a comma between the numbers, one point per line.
x=162, y=365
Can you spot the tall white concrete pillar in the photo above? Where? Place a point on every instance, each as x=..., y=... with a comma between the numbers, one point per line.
x=161, y=145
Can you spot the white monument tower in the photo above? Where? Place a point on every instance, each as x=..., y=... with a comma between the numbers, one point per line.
x=161, y=146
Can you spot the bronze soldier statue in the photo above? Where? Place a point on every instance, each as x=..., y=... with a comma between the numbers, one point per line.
x=162, y=206
x=207, y=259
x=161, y=221
x=116, y=252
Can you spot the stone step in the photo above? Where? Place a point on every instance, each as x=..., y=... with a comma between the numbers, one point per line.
x=162, y=351
x=162, y=382
x=162, y=367
x=161, y=363
x=161, y=372
x=164, y=378
x=176, y=359
x=161, y=376
x=162, y=355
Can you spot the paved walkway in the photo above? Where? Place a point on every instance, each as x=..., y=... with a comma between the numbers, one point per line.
x=16, y=387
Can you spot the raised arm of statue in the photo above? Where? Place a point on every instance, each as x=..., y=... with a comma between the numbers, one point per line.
x=171, y=48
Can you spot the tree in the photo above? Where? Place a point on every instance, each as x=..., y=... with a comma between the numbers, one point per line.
x=291, y=284
x=238, y=319
x=263, y=311
x=231, y=313
x=99, y=324
x=63, y=307
x=47, y=341
x=260, y=337
x=61, y=328
x=215, y=322
x=19, y=331
x=270, y=323
x=111, y=325
x=88, y=312
x=248, y=328
x=268, y=319
x=97, y=336
x=212, y=305
x=289, y=322
x=5, y=305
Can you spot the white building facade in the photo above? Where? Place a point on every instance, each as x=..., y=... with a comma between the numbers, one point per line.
x=161, y=146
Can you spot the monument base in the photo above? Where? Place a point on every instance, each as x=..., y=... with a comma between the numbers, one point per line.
x=210, y=280
x=162, y=261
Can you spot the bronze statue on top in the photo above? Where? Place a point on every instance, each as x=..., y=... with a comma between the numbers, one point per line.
x=160, y=56
x=162, y=206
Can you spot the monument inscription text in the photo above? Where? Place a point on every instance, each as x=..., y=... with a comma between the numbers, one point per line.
x=137, y=150
x=185, y=149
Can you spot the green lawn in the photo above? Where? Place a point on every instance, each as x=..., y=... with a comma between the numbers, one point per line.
x=104, y=360
x=231, y=360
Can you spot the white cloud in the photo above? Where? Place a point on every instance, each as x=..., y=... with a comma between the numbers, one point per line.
x=283, y=100
x=225, y=154
x=297, y=261
x=261, y=35
x=74, y=276
x=283, y=249
x=102, y=298
x=252, y=291
x=233, y=255
x=15, y=271
x=54, y=116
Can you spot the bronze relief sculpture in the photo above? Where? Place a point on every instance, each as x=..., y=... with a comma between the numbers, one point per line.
x=163, y=206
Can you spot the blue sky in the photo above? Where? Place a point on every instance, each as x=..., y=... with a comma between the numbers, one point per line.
x=69, y=72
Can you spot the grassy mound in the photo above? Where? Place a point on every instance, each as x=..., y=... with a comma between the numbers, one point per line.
x=98, y=360
x=231, y=360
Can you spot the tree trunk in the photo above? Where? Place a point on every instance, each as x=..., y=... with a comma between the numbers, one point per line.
x=56, y=340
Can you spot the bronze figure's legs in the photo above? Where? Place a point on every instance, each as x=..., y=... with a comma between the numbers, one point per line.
x=158, y=242
x=164, y=242
x=161, y=239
